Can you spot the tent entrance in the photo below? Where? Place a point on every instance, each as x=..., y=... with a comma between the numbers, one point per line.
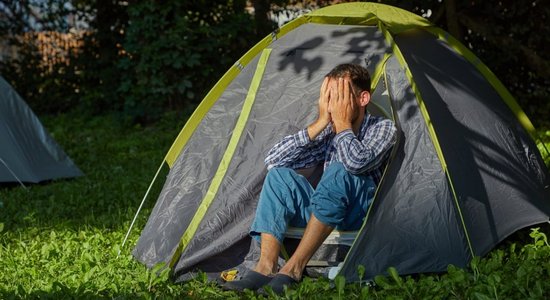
x=334, y=250
x=330, y=255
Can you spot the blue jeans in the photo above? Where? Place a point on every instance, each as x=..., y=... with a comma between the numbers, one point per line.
x=340, y=201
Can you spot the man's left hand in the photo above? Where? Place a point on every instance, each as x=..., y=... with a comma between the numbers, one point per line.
x=342, y=104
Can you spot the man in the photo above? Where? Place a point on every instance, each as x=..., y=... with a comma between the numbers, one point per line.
x=352, y=145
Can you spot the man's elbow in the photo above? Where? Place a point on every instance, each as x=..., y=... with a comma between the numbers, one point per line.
x=354, y=169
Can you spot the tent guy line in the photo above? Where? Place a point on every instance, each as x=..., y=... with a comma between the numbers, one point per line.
x=14, y=175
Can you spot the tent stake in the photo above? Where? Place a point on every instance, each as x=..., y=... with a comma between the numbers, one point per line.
x=139, y=209
x=12, y=173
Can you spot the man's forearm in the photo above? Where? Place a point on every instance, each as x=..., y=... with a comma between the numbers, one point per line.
x=340, y=126
x=316, y=128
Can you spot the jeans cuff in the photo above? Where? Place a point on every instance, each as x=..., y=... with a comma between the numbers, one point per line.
x=256, y=234
x=326, y=220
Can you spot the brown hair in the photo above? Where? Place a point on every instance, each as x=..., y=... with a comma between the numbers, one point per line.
x=359, y=75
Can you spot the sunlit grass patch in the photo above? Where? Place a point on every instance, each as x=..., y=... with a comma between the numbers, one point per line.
x=61, y=239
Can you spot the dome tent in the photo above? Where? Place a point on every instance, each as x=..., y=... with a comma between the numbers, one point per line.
x=464, y=174
x=28, y=153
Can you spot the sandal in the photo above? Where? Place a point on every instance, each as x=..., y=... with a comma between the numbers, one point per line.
x=252, y=280
x=277, y=284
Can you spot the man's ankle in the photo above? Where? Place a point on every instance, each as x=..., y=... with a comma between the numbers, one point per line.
x=266, y=269
x=292, y=271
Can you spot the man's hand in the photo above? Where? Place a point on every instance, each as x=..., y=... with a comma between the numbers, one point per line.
x=324, y=118
x=324, y=100
x=342, y=105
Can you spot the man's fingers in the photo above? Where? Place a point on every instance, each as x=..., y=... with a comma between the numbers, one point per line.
x=340, y=89
x=333, y=95
x=324, y=87
x=334, y=90
x=349, y=93
x=345, y=83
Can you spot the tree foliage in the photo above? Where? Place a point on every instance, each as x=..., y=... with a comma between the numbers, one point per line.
x=142, y=57
x=509, y=36
x=22, y=64
x=137, y=58
x=177, y=50
x=107, y=21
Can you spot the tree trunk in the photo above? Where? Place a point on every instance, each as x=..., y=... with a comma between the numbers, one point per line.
x=529, y=57
x=453, y=24
x=263, y=24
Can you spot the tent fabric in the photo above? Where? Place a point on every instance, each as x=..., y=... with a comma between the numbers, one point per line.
x=464, y=174
x=490, y=76
x=476, y=131
x=227, y=156
x=28, y=153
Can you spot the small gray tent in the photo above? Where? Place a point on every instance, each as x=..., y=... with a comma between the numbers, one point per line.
x=464, y=175
x=27, y=152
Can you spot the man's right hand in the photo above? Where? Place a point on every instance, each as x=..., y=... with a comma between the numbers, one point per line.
x=324, y=101
x=324, y=118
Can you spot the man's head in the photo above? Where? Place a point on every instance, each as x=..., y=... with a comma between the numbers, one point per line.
x=360, y=80
x=358, y=75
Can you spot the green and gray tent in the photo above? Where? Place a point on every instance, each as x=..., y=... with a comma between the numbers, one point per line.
x=27, y=151
x=464, y=175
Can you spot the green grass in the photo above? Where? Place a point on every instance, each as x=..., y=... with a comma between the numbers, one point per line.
x=59, y=240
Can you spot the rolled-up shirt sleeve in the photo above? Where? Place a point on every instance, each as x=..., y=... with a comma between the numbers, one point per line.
x=368, y=154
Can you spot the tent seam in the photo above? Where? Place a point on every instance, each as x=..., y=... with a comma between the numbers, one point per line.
x=390, y=159
x=226, y=159
x=214, y=94
x=429, y=125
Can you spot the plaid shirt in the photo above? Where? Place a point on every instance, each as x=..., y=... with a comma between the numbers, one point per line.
x=362, y=154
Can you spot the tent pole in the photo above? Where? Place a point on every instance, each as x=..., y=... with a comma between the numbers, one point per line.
x=139, y=209
x=543, y=144
x=12, y=173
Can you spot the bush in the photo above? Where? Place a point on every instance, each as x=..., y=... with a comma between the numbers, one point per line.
x=46, y=88
x=138, y=58
x=176, y=51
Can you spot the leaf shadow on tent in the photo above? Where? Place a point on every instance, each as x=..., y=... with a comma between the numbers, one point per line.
x=364, y=46
x=299, y=62
x=367, y=43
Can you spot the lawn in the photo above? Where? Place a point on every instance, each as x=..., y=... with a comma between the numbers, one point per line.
x=60, y=240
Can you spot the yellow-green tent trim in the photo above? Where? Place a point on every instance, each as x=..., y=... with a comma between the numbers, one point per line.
x=215, y=93
x=430, y=127
x=226, y=159
x=489, y=75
